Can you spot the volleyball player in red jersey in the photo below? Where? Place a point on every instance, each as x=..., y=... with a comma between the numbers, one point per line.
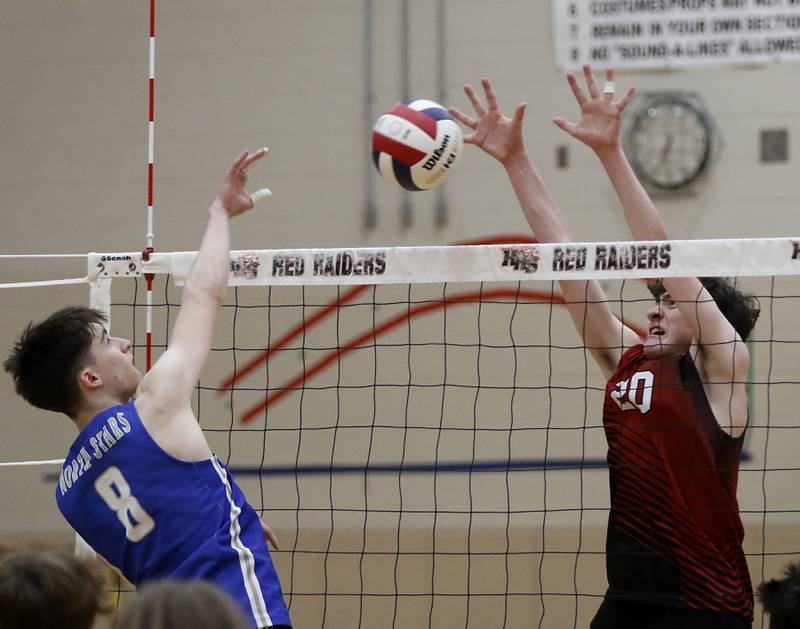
x=675, y=408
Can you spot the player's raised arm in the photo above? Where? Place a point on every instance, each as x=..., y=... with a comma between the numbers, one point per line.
x=171, y=380
x=501, y=137
x=723, y=354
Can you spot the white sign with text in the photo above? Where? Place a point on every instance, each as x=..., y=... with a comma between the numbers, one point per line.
x=675, y=33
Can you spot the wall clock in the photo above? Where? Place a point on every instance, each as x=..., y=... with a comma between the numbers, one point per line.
x=669, y=141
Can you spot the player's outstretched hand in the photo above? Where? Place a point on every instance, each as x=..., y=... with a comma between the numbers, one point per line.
x=270, y=536
x=599, y=125
x=496, y=134
x=233, y=195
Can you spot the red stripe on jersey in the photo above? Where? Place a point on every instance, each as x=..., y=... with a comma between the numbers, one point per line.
x=631, y=500
x=637, y=492
x=702, y=582
x=705, y=586
x=692, y=540
x=643, y=476
x=399, y=151
x=423, y=121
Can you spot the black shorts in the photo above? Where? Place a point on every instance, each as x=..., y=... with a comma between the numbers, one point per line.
x=624, y=615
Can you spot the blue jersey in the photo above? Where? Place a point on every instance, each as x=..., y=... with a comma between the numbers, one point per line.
x=154, y=517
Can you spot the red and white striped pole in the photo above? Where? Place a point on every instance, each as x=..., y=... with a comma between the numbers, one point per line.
x=150, y=169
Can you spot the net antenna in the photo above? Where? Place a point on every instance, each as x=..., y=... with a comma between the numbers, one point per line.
x=150, y=235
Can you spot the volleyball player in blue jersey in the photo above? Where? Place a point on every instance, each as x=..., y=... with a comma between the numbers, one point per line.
x=140, y=483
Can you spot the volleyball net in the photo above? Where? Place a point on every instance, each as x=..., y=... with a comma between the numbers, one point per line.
x=422, y=426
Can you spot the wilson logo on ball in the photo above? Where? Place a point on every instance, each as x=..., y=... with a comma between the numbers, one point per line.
x=416, y=144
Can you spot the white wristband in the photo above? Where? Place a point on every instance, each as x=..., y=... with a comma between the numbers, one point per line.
x=259, y=195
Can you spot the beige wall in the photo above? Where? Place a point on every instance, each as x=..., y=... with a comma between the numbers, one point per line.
x=288, y=74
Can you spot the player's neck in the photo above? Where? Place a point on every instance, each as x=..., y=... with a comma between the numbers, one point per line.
x=92, y=407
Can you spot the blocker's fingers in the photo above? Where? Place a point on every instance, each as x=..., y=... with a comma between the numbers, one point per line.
x=260, y=195
x=237, y=165
x=250, y=159
x=564, y=125
x=576, y=89
x=623, y=102
x=491, y=99
x=590, y=82
x=471, y=138
x=519, y=113
x=463, y=118
x=476, y=104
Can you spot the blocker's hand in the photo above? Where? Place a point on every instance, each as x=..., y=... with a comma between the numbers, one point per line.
x=496, y=134
x=233, y=195
x=601, y=115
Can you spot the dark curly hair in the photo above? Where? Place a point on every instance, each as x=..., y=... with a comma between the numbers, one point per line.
x=739, y=309
x=47, y=357
x=781, y=599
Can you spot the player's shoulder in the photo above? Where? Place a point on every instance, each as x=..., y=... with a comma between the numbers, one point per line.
x=174, y=429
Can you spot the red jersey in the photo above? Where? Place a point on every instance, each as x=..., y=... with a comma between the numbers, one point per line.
x=674, y=532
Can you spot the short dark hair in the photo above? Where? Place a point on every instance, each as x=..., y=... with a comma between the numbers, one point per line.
x=46, y=589
x=47, y=357
x=781, y=599
x=739, y=309
x=167, y=604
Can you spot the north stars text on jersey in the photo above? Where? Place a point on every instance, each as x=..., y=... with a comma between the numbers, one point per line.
x=114, y=428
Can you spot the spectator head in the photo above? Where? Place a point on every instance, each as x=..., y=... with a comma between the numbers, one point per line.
x=45, y=589
x=169, y=604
